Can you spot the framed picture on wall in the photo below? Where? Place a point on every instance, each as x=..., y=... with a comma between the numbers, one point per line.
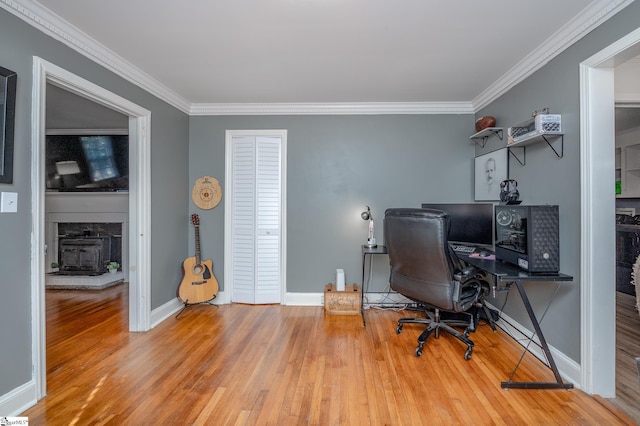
x=490, y=169
x=7, y=117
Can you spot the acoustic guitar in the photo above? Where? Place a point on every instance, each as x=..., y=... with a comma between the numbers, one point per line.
x=198, y=283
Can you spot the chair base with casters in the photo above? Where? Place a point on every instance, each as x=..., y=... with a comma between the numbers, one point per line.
x=435, y=323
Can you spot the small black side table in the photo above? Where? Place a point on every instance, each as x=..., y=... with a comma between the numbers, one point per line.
x=366, y=250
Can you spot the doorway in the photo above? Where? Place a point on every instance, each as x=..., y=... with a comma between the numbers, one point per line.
x=255, y=234
x=139, y=213
x=87, y=198
x=597, y=208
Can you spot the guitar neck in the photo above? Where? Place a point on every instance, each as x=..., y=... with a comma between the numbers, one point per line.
x=197, y=231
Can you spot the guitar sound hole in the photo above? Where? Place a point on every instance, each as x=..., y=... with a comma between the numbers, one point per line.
x=198, y=269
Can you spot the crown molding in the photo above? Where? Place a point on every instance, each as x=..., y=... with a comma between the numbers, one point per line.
x=43, y=19
x=354, y=108
x=54, y=26
x=591, y=17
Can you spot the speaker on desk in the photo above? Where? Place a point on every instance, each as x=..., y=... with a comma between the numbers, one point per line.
x=528, y=236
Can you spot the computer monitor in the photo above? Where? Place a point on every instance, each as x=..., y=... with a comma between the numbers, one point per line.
x=470, y=223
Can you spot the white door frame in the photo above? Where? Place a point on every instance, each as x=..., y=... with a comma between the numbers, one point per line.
x=139, y=204
x=597, y=206
x=228, y=209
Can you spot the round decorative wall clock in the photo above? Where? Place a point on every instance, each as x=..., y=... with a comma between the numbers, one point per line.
x=206, y=192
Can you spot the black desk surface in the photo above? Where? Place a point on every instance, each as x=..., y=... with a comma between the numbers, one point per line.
x=379, y=249
x=507, y=272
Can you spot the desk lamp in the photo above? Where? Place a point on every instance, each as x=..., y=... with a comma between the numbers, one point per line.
x=366, y=215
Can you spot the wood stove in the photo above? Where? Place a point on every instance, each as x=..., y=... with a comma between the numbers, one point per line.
x=85, y=248
x=84, y=255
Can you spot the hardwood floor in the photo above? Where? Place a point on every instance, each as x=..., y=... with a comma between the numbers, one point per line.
x=627, y=350
x=284, y=365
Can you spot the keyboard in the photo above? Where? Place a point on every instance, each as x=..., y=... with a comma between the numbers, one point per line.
x=458, y=248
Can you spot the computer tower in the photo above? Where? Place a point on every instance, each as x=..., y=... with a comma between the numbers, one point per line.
x=528, y=236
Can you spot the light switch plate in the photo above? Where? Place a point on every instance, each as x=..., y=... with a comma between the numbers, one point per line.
x=9, y=202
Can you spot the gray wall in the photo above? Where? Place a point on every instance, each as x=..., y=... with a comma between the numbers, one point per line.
x=545, y=179
x=337, y=165
x=19, y=42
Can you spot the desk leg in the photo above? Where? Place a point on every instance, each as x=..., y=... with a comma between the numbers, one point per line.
x=364, y=321
x=558, y=384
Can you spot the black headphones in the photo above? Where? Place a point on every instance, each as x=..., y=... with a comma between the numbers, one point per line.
x=509, y=191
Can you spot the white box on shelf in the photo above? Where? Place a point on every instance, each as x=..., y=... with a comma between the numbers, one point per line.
x=540, y=124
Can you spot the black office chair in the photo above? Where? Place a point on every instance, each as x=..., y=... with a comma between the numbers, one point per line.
x=424, y=269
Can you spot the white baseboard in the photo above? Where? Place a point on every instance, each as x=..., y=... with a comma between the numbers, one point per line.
x=381, y=299
x=317, y=299
x=304, y=299
x=173, y=306
x=17, y=401
x=163, y=312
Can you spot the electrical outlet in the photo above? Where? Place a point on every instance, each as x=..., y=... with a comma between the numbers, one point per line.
x=9, y=202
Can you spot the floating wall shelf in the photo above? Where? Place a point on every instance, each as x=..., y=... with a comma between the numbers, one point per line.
x=549, y=138
x=483, y=135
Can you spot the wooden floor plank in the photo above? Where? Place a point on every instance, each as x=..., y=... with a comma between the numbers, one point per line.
x=279, y=365
x=627, y=349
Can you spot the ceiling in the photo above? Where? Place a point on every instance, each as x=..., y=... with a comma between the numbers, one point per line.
x=204, y=52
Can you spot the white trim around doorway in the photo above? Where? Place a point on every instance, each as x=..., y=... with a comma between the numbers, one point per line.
x=597, y=206
x=139, y=204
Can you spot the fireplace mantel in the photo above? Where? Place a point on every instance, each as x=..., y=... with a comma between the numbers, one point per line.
x=86, y=202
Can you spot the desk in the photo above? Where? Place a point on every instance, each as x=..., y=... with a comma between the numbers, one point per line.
x=505, y=276
x=366, y=250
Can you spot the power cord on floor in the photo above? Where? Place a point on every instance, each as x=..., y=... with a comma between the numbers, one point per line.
x=381, y=305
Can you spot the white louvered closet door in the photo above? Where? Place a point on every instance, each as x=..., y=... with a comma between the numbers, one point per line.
x=256, y=220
